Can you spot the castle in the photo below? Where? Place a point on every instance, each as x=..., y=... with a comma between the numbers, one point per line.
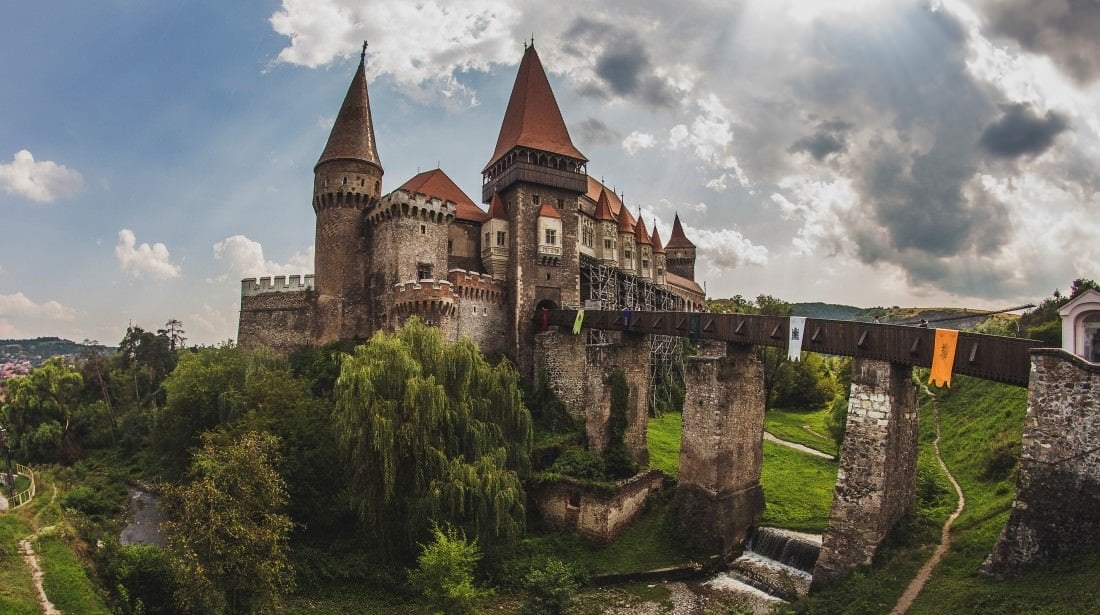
x=552, y=237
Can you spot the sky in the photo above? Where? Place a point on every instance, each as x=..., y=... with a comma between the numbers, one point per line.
x=865, y=152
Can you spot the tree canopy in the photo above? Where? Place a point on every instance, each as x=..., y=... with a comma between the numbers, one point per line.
x=432, y=433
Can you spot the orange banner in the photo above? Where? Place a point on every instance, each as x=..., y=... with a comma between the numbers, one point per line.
x=943, y=357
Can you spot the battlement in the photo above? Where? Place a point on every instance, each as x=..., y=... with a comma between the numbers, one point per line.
x=428, y=298
x=279, y=284
x=401, y=202
x=476, y=286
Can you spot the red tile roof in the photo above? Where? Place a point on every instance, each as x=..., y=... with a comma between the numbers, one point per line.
x=352, y=135
x=680, y=282
x=435, y=183
x=678, y=239
x=549, y=211
x=626, y=221
x=594, y=189
x=533, y=118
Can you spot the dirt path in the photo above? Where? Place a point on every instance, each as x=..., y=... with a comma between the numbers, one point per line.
x=798, y=447
x=917, y=584
x=36, y=572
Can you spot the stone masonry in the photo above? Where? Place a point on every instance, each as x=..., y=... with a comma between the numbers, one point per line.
x=876, y=480
x=719, y=496
x=1057, y=507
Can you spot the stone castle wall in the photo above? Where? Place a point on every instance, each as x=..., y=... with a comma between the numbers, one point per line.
x=480, y=310
x=1056, y=511
x=877, y=474
x=282, y=321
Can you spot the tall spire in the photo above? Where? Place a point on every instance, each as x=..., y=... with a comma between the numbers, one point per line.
x=657, y=247
x=352, y=135
x=533, y=118
x=678, y=239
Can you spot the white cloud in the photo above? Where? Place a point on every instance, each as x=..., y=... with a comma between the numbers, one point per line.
x=215, y=322
x=44, y=181
x=710, y=137
x=19, y=306
x=139, y=261
x=422, y=45
x=245, y=258
x=727, y=248
x=637, y=141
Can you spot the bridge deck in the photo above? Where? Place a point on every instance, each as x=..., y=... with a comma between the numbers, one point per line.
x=1002, y=359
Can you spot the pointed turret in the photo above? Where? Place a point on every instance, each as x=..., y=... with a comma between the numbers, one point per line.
x=657, y=247
x=626, y=221
x=659, y=258
x=641, y=235
x=680, y=252
x=603, y=208
x=678, y=239
x=352, y=136
x=534, y=144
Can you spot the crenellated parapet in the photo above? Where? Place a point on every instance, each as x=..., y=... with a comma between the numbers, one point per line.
x=402, y=203
x=474, y=286
x=428, y=298
x=278, y=284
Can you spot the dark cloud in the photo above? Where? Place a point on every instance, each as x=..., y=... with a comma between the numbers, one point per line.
x=623, y=65
x=1021, y=132
x=1068, y=31
x=829, y=138
x=595, y=132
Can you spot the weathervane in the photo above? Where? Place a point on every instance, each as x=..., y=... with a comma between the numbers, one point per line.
x=363, y=54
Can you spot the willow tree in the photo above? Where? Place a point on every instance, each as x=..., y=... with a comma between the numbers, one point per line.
x=432, y=434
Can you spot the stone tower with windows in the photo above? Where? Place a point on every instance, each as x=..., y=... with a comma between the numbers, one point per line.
x=538, y=175
x=347, y=181
x=680, y=252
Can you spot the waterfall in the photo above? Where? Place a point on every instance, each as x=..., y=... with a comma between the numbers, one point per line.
x=777, y=562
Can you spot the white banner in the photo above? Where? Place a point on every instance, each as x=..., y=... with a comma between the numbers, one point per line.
x=798, y=331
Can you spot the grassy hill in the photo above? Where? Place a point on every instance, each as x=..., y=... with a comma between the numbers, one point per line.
x=41, y=348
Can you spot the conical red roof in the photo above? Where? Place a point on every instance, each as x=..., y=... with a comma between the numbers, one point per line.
x=352, y=135
x=626, y=221
x=603, y=208
x=436, y=183
x=640, y=233
x=496, y=208
x=533, y=118
x=657, y=247
x=678, y=239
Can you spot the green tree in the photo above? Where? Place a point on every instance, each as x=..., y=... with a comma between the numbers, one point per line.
x=616, y=457
x=228, y=539
x=444, y=574
x=551, y=588
x=1043, y=323
x=44, y=413
x=432, y=432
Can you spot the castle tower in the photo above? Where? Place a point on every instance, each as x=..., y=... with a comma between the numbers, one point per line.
x=495, y=239
x=535, y=165
x=347, y=179
x=680, y=252
x=628, y=249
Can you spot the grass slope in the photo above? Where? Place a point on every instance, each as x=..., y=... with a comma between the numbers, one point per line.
x=790, y=425
x=16, y=589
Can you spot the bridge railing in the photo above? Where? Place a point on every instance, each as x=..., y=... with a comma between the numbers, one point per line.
x=1003, y=359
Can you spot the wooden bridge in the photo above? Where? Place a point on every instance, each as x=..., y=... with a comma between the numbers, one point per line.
x=991, y=357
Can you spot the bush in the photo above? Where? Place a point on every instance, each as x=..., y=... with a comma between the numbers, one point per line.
x=837, y=420
x=96, y=503
x=141, y=576
x=1001, y=461
x=579, y=463
x=551, y=588
x=445, y=572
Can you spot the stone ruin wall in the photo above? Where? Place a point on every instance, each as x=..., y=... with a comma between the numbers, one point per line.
x=597, y=516
x=1056, y=511
x=281, y=318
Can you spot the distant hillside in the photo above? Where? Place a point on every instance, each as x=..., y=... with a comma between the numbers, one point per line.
x=41, y=348
x=941, y=317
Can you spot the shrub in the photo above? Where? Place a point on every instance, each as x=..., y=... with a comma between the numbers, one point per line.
x=1001, y=461
x=445, y=572
x=551, y=588
x=837, y=421
x=579, y=463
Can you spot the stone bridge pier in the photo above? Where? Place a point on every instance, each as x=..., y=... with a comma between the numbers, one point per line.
x=580, y=374
x=718, y=496
x=1056, y=511
x=876, y=480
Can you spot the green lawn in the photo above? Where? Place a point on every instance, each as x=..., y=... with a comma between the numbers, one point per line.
x=67, y=584
x=16, y=591
x=798, y=487
x=790, y=424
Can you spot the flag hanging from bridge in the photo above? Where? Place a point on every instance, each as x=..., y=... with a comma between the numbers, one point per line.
x=578, y=321
x=798, y=331
x=943, y=357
